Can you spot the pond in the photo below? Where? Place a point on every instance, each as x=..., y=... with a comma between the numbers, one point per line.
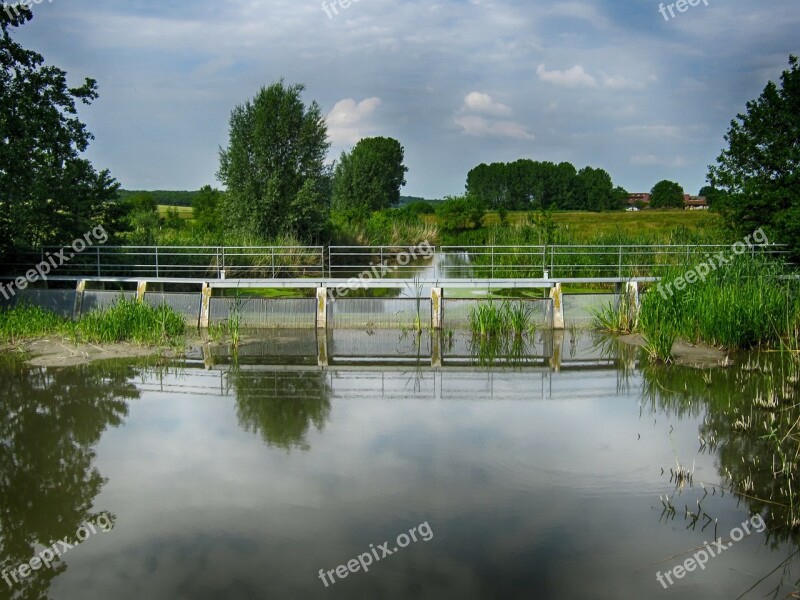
x=262, y=474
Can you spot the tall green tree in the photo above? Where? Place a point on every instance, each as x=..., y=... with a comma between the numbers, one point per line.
x=758, y=173
x=48, y=193
x=207, y=209
x=274, y=161
x=369, y=177
x=666, y=194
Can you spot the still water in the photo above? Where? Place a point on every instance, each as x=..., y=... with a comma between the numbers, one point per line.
x=243, y=477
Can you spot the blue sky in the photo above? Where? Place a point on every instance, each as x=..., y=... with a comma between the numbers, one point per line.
x=610, y=84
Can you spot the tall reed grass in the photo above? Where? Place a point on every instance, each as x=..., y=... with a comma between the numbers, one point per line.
x=127, y=320
x=749, y=302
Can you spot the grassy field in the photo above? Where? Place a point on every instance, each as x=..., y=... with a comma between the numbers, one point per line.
x=585, y=224
x=627, y=222
x=184, y=212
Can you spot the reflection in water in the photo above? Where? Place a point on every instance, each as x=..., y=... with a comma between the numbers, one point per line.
x=281, y=405
x=752, y=424
x=50, y=421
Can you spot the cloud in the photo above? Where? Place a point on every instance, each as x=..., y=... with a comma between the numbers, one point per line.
x=574, y=77
x=349, y=121
x=660, y=131
x=483, y=103
x=651, y=160
x=482, y=127
x=477, y=118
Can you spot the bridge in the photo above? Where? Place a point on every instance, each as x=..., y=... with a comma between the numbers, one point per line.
x=198, y=280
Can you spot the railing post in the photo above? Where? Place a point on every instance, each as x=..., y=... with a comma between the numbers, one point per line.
x=492, y=271
x=620, y=261
x=157, y=261
x=272, y=260
x=97, y=252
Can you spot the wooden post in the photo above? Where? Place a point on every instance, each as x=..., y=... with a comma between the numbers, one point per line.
x=141, y=290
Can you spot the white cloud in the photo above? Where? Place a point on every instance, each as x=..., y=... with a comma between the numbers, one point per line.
x=651, y=160
x=477, y=118
x=483, y=103
x=349, y=121
x=574, y=77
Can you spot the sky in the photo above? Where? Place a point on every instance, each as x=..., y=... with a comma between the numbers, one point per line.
x=612, y=84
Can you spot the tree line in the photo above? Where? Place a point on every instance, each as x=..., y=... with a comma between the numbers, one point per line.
x=277, y=181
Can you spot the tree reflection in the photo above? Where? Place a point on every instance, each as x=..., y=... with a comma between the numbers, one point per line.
x=50, y=421
x=282, y=405
x=752, y=423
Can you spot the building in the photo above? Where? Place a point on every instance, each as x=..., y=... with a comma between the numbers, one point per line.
x=642, y=199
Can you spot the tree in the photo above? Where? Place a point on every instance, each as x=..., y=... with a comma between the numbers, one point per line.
x=48, y=193
x=369, y=177
x=596, y=190
x=461, y=213
x=276, y=150
x=207, y=209
x=666, y=194
x=758, y=172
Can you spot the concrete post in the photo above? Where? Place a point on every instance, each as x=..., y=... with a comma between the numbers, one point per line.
x=79, y=290
x=436, y=308
x=558, y=306
x=205, y=306
x=436, y=348
x=632, y=291
x=322, y=308
x=322, y=348
x=141, y=290
x=558, y=345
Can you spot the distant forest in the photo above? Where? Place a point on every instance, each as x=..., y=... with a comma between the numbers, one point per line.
x=185, y=198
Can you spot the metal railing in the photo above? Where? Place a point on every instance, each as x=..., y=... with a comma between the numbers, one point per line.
x=448, y=262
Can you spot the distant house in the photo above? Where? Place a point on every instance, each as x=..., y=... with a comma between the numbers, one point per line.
x=639, y=199
x=695, y=202
x=642, y=199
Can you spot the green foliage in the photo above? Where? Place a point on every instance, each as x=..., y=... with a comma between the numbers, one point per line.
x=526, y=184
x=129, y=320
x=666, y=194
x=459, y=213
x=125, y=321
x=369, y=177
x=164, y=197
x=743, y=304
x=48, y=193
x=26, y=321
x=760, y=168
x=273, y=166
x=489, y=319
x=207, y=205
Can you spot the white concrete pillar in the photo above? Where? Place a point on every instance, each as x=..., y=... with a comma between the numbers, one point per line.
x=205, y=305
x=322, y=308
x=437, y=296
x=558, y=306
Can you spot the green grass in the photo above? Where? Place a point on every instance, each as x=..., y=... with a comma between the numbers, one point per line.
x=489, y=319
x=744, y=304
x=124, y=321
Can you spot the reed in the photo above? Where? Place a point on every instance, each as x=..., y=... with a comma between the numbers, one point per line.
x=129, y=320
x=26, y=321
x=491, y=318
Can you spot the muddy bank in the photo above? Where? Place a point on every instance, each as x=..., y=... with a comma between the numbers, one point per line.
x=699, y=356
x=56, y=352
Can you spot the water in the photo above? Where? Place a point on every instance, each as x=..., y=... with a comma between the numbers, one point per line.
x=228, y=480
